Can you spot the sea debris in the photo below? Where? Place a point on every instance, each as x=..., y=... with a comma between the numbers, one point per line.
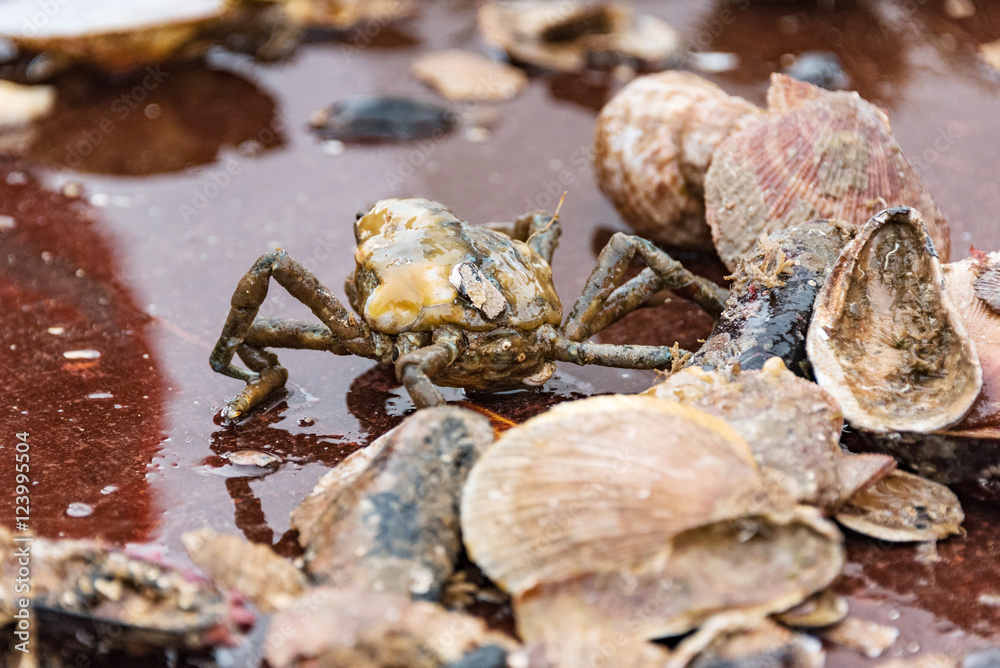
x=570, y=36
x=462, y=75
x=364, y=119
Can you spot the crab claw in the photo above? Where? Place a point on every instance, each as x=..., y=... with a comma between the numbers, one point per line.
x=267, y=381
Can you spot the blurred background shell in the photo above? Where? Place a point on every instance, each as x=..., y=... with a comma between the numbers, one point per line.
x=885, y=339
x=820, y=154
x=653, y=144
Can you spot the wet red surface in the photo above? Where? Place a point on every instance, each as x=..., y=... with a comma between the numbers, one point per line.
x=188, y=180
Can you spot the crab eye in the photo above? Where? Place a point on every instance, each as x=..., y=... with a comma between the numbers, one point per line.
x=395, y=355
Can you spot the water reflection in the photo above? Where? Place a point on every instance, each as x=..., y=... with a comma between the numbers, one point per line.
x=164, y=119
x=79, y=374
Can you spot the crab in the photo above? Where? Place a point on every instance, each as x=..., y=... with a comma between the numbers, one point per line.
x=451, y=304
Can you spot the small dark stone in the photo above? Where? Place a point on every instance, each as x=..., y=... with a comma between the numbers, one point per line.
x=489, y=656
x=821, y=68
x=382, y=119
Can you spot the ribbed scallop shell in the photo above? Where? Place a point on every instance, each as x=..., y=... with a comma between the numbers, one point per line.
x=653, y=144
x=821, y=154
x=885, y=339
x=603, y=484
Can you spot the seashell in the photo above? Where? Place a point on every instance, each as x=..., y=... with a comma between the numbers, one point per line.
x=821, y=609
x=771, y=300
x=346, y=14
x=792, y=425
x=764, y=644
x=904, y=507
x=652, y=147
x=359, y=627
x=630, y=503
x=750, y=567
x=821, y=154
x=256, y=571
x=885, y=339
x=967, y=453
x=570, y=36
x=553, y=496
x=387, y=517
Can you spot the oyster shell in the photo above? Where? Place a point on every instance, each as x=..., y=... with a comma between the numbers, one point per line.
x=821, y=154
x=653, y=144
x=360, y=628
x=792, y=425
x=123, y=35
x=885, y=339
x=568, y=36
x=387, y=517
x=903, y=507
x=968, y=452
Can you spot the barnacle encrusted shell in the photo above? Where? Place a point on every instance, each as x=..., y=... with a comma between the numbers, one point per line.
x=652, y=147
x=821, y=154
x=885, y=339
x=407, y=251
x=967, y=453
x=792, y=425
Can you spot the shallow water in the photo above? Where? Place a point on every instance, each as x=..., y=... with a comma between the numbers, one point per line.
x=189, y=177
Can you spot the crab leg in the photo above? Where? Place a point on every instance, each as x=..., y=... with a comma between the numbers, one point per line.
x=603, y=301
x=621, y=356
x=265, y=375
x=415, y=369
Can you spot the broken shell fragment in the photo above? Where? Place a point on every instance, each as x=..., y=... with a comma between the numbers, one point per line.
x=387, y=517
x=351, y=627
x=765, y=644
x=652, y=147
x=270, y=581
x=792, y=425
x=820, y=154
x=572, y=35
x=821, y=609
x=462, y=75
x=344, y=14
x=885, y=339
x=771, y=300
x=76, y=584
x=904, y=507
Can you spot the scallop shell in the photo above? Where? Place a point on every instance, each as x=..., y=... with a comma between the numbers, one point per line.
x=603, y=484
x=885, y=339
x=653, y=144
x=821, y=154
x=752, y=567
x=792, y=425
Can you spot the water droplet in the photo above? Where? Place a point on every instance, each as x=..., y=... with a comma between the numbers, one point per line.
x=56, y=331
x=110, y=489
x=78, y=509
x=82, y=354
x=100, y=395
